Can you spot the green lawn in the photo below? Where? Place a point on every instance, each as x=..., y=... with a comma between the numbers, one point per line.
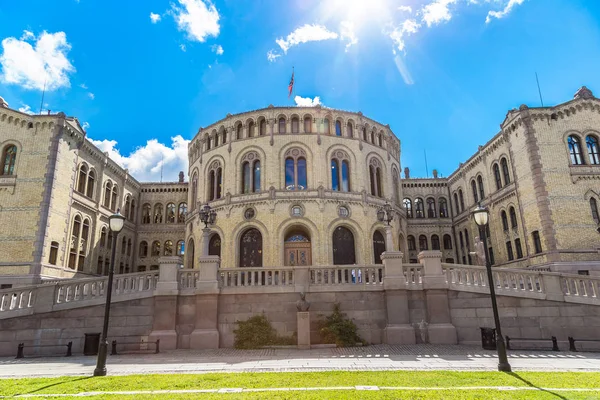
x=72, y=385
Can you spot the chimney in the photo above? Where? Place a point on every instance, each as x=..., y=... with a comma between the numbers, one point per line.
x=406, y=173
x=435, y=174
x=180, y=176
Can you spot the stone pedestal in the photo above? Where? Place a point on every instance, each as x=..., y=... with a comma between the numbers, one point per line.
x=303, y=330
x=398, y=329
x=165, y=303
x=206, y=333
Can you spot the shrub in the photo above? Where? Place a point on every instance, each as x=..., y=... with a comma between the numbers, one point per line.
x=256, y=332
x=339, y=329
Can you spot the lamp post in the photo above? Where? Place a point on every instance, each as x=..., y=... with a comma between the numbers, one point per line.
x=481, y=215
x=385, y=214
x=115, y=223
x=208, y=216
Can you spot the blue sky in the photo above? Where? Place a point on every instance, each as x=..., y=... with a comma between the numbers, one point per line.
x=144, y=76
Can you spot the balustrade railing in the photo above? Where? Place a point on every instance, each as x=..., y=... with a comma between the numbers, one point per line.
x=188, y=278
x=346, y=275
x=17, y=299
x=229, y=277
x=506, y=280
x=580, y=286
x=413, y=274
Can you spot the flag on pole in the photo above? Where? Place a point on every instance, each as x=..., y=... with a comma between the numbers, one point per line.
x=291, y=85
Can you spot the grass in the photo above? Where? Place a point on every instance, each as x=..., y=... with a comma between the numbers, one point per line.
x=72, y=385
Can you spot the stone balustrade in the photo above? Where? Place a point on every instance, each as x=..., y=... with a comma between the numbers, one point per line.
x=236, y=277
x=581, y=289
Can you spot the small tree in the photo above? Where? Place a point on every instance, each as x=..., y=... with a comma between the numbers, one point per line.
x=339, y=329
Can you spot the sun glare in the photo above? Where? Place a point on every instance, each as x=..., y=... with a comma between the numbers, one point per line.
x=359, y=12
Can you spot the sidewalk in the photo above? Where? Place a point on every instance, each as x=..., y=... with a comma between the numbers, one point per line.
x=370, y=358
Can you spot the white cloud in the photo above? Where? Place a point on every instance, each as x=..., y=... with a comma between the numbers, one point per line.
x=437, y=11
x=307, y=101
x=272, y=55
x=26, y=109
x=217, y=48
x=154, y=18
x=347, y=33
x=183, y=48
x=91, y=95
x=198, y=18
x=31, y=67
x=85, y=125
x=27, y=35
x=407, y=9
x=408, y=27
x=304, y=34
x=145, y=162
x=83, y=86
x=501, y=14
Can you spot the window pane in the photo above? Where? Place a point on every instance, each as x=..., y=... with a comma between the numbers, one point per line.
x=256, y=187
x=295, y=125
x=592, y=145
x=289, y=174
x=307, y=124
x=338, y=128
x=302, y=184
x=345, y=176
x=335, y=182
x=246, y=178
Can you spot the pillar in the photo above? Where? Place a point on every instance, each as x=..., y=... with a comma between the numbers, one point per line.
x=398, y=329
x=205, y=241
x=165, y=303
x=389, y=239
x=440, y=329
x=206, y=332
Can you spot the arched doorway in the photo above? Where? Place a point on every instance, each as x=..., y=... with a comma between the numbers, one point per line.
x=214, y=245
x=343, y=247
x=251, y=248
x=297, y=248
x=378, y=246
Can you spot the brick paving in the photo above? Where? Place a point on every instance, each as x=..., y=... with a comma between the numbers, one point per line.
x=370, y=358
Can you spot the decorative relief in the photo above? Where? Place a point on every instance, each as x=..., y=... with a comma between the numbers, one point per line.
x=375, y=162
x=295, y=153
x=250, y=156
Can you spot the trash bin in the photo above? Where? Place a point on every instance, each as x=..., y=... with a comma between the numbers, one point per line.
x=91, y=344
x=488, y=338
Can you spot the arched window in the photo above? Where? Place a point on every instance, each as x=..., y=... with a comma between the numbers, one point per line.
x=75, y=234
x=497, y=177
x=215, y=177
x=143, y=249
x=214, y=246
x=504, y=165
x=461, y=199
x=364, y=134
x=423, y=243
x=518, y=248
x=250, y=173
x=168, y=248
x=326, y=126
x=431, y=212
x=190, y=254
x=350, y=130
x=9, y=158
x=281, y=125
x=447, y=242
x=146, y=211
x=504, y=220
x=295, y=169
x=592, y=147
x=480, y=185
x=408, y=207
x=109, y=240
x=594, y=208
x=239, y=132
x=380, y=140
x=181, y=213
x=155, y=252
x=443, y=208
x=127, y=206
x=90, y=183
x=343, y=247
x=461, y=240
x=224, y=135
x=250, y=248
x=194, y=190
x=250, y=128
x=170, y=213
x=207, y=140
x=107, y=193
x=181, y=248
x=83, y=173
x=158, y=213
x=435, y=242
x=295, y=125
x=378, y=247
x=123, y=245
x=132, y=212
x=419, y=208
x=376, y=178
x=474, y=190
x=99, y=266
x=338, y=128
x=340, y=171
x=373, y=137
x=85, y=233
x=575, y=150
x=102, y=237
x=456, y=204
x=216, y=136
x=513, y=218
x=263, y=127
x=412, y=245
x=307, y=124
x=128, y=247
x=396, y=183
x=113, y=201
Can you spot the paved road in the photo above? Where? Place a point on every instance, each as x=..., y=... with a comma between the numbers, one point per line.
x=371, y=358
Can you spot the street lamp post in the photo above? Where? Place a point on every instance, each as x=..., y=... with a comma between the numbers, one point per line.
x=481, y=216
x=115, y=223
x=208, y=216
x=385, y=214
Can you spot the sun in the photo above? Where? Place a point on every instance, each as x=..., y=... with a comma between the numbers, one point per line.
x=358, y=12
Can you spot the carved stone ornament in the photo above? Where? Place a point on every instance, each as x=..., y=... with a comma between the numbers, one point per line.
x=302, y=305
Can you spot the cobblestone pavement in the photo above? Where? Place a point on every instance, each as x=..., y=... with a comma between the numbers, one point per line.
x=370, y=358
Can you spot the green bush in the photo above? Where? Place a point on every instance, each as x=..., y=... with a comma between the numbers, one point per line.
x=256, y=332
x=339, y=329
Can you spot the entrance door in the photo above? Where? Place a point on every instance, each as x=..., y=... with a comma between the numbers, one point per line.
x=297, y=250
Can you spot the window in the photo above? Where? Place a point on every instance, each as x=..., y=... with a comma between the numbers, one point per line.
x=250, y=248
x=422, y=242
x=449, y=260
x=497, y=177
x=113, y=200
x=419, y=208
x=168, y=248
x=146, y=211
x=343, y=247
x=307, y=124
x=349, y=129
x=340, y=171
x=462, y=200
x=53, y=253
x=326, y=126
x=74, y=248
x=378, y=247
x=107, y=193
x=456, y=205
x=239, y=132
x=190, y=254
x=281, y=125
x=373, y=137
x=396, y=183
x=375, y=176
x=214, y=245
x=431, y=212
x=263, y=127
x=103, y=237
x=411, y=242
x=127, y=206
x=575, y=150
x=158, y=217
x=504, y=164
x=443, y=208
x=9, y=157
x=155, y=249
x=170, y=213
x=207, y=140
x=435, y=242
x=83, y=171
x=90, y=183
x=99, y=266
x=447, y=242
x=338, y=128
x=295, y=125
x=109, y=240
x=85, y=232
x=504, y=220
x=408, y=207
x=250, y=173
x=181, y=213
x=537, y=243
x=295, y=170
x=592, y=146
x=215, y=179
x=380, y=140
x=123, y=245
x=509, y=251
x=467, y=241
x=480, y=185
x=364, y=134
x=143, y=249
x=474, y=189
x=250, y=128
x=181, y=248
x=132, y=212
x=518, y=248
x=513, y=218
x=462, y=242
x=194, y=190
x=216, y=139
x=128, y=247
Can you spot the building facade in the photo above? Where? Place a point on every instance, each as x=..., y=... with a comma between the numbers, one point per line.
x=299, y=186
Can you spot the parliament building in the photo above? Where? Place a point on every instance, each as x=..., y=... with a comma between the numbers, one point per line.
x=300, y=186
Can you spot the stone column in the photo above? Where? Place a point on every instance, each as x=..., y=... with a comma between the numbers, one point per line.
x=205, y=241
x=398, y=329
x=271, y=128
x=165, y=303
x=206, y=333
x=389, y=239
x=440, y=329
